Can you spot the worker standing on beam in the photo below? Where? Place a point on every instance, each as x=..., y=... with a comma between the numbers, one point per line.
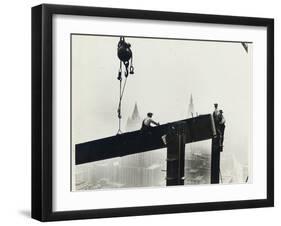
x=216, y=116
x=221, y=126
x=216, y=113
x=148, y=122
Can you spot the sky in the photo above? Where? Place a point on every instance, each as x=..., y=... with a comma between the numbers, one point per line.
x=167, y=72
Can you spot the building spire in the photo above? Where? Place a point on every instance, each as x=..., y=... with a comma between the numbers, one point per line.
x=134, y=121
x=135, y=114
x=191, y=112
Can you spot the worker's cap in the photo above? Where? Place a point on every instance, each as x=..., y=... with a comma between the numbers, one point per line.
x=215, y=104
x=221, y=111
x=149, y=114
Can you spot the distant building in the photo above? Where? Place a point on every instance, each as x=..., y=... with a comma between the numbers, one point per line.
x=197, y=168
x=197, y=162
x=134, y=122
x=191, y=111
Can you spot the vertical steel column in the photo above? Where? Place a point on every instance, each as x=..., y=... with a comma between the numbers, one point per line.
x=215, y=161
x=175, y=159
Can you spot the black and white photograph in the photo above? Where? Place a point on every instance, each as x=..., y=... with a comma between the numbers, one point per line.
x=157, y=112
x=144, y=111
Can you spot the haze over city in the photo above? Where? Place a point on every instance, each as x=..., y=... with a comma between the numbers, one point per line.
x=167, y=72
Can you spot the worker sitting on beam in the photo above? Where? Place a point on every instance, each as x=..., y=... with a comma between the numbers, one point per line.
x=148, y=122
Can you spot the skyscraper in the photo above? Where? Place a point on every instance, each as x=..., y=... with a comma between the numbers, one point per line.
x=134, y=122
x=191, y=112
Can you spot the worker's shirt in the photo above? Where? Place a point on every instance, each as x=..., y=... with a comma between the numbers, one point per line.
x=216, y=112
x=222, y=121
x=216, y=115
x=147, y=121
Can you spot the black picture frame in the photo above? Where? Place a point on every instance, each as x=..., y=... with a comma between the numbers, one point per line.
x=42, y=106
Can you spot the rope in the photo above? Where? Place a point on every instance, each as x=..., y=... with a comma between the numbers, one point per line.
x=119, y=108
x=123, y=89
x=121, y=94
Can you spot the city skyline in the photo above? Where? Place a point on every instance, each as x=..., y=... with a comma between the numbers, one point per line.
x=149, y=167
x=174, y=79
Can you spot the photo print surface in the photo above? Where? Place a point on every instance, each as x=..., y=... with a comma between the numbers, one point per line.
x=150, y=112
